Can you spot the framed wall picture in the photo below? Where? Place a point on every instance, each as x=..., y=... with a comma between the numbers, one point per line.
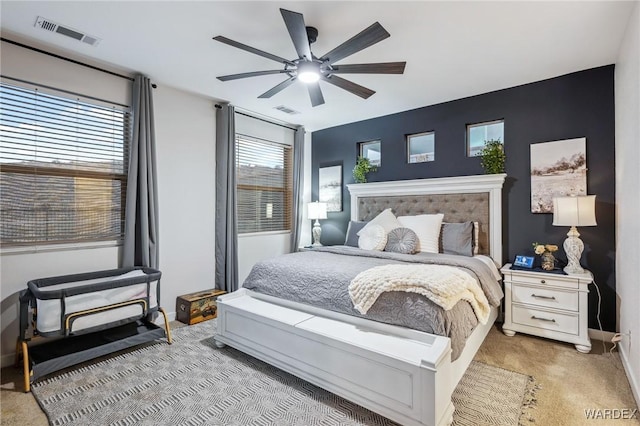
x=330, y=187
x=558, y=169
x=421, y=147
x=372, y=151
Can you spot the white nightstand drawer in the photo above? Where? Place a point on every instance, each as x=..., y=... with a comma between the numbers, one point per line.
x=545, y=280
x=545, y=297
x=553, y=321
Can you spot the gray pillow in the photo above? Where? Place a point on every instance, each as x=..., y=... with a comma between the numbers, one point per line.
x=402, y=240
x=352, y=233
x=457, y=238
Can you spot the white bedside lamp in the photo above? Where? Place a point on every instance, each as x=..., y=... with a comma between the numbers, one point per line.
x=574, y=211
x=317, y=211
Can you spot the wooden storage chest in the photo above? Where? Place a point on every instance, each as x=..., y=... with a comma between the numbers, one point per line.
x=197, y=307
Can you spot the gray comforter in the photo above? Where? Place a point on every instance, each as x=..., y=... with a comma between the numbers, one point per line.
x=321, y=277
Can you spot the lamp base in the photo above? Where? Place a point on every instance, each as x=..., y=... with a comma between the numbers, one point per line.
x=316, y=232
x=573, y=247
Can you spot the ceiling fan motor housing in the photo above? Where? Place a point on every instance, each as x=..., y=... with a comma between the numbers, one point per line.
x=312, y=34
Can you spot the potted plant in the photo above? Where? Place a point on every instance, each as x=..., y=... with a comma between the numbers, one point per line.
x=363, y=166
x=493, y=157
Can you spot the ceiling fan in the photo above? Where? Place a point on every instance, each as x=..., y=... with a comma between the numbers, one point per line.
x=311, y=69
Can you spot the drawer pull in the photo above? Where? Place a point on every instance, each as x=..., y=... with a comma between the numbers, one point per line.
x=542, y=319
x=543, y=297
x=542, y=281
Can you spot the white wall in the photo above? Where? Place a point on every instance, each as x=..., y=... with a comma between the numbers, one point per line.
x=627, y=92
x=185, y=138
x=185, y=133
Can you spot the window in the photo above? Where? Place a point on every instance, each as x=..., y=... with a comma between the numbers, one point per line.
x=421, y=147
x=372, y=151
x=264, y=184
x=478, y=134
x=63, y=168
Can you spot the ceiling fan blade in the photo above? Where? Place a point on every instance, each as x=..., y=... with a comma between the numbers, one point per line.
x=277, y=88
x=349, y=86
x=315, y=94
x=249, y=74
x=379, y=68
x=253, y=50
x=360, y=41
x=298, y=32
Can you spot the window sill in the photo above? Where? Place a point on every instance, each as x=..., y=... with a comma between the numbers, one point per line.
x=263, y=234
x=58, y=247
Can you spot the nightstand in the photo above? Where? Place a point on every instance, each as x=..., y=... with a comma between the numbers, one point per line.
x=547, y=305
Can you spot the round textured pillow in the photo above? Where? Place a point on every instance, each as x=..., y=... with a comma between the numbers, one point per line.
x=402, y=240
x=373, y=237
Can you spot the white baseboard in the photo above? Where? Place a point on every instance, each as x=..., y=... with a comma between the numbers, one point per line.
x=596, y=334
x=8, y=360
x=633, y=381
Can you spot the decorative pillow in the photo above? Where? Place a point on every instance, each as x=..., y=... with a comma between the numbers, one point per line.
x=476, y=233
x=386, y=219
x=352, y=233
x=427, y=228
x=457, y=238
x=402, y=240
x=372, y=237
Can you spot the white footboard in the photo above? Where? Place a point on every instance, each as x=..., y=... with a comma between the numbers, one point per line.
x=401, y=374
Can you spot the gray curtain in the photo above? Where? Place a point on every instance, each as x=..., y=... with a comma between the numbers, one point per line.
x=141, y=211
x=298, y=187
x=226, y=225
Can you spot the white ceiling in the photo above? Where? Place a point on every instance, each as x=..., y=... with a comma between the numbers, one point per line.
x=453, y=49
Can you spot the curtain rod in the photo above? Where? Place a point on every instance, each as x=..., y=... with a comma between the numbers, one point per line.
x=261, y=119
x=66, y=59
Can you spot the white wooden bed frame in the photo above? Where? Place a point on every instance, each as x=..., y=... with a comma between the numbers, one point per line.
x=402, y=374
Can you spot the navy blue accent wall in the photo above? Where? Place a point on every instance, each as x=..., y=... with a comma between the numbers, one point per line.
x=576, y=105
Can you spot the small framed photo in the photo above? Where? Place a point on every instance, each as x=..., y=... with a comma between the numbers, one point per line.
x=372, y=151
x=421, y=147
x=523, y=261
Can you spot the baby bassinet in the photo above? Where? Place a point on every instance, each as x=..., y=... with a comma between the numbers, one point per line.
x=96, y=313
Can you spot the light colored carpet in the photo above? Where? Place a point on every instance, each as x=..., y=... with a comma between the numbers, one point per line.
x=192, y=383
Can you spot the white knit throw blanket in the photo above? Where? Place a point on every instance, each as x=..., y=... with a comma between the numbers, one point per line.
x=443, y=285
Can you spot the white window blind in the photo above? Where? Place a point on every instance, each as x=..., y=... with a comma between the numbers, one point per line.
x=264, y=188
x=63, y=168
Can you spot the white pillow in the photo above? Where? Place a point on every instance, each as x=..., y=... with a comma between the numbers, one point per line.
x=386, y=219
x=427, y=228
x=373, y=237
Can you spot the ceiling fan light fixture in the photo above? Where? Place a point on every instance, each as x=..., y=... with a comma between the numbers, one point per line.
x=308, y=72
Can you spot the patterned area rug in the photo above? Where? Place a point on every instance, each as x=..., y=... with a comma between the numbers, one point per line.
x=191, y=382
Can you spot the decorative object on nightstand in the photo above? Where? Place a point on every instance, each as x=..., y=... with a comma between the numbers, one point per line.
x=574, y=211
x=317, y=211
x=547, y=260
x=547, y=305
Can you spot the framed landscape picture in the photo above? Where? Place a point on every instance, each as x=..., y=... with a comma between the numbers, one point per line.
x=558, y=169
x=330, y=187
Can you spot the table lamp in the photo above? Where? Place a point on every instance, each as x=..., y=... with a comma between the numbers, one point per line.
x=574, y=211
x=317, y=211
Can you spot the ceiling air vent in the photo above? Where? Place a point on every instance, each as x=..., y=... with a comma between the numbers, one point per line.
x=53, y=27
x=286, y=110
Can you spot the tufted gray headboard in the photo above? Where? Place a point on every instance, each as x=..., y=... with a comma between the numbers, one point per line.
x=460, y=199
x=455, y=207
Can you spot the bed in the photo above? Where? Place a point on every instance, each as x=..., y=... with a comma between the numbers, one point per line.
x=92, y=313
x=404, y=374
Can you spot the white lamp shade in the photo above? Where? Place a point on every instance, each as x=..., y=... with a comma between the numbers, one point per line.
x=574, y=211
x=317, y=210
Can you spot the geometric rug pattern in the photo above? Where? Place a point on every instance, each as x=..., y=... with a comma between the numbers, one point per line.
x=191, y=382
